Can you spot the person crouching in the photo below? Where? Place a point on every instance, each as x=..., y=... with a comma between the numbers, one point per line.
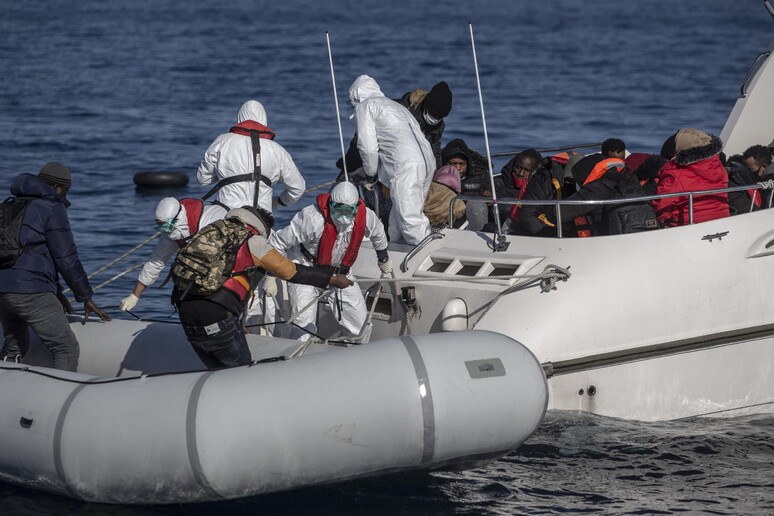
x=237, y=249
x=328, y=234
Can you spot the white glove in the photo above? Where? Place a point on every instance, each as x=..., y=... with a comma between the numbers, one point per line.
x=386, y=266
x=275, y=203
x=270, y=287
x=129, y=302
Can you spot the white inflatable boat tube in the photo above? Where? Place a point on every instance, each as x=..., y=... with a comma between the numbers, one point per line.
x=426, y=402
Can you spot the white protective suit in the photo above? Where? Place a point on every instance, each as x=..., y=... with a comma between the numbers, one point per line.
x=307, y=228
x=394, y=148
x=232, y=154
x=167, y=244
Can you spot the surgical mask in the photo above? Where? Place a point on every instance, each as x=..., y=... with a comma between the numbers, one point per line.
x=176, y=234
x=430, y=120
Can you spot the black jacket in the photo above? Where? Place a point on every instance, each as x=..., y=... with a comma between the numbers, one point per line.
x=45, y=222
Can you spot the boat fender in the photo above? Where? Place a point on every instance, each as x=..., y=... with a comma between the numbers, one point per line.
x=454, y=316
x=161, y=179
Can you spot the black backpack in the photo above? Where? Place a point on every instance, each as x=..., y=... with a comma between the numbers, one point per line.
x=11, y=217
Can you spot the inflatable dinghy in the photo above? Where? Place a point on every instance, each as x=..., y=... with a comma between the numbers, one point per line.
x=107, y=434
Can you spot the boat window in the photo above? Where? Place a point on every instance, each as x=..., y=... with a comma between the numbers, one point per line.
x=439, y=264
x=469, y=268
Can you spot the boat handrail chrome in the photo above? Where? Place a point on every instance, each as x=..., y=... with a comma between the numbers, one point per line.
x=558, y=203
x=429, y=238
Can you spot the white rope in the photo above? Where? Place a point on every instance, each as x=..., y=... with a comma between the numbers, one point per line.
x=547, y=283
x=130, y=251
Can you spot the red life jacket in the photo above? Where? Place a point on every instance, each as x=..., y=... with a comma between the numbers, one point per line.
x=247, y=128
x=325, y=249
x=239, y=283
x=193, y=214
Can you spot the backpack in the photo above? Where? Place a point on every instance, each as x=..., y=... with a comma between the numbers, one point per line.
x=207, y=261
x=11, y=218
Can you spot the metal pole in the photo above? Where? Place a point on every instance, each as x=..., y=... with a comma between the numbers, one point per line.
x=495, y=210
x=336, y=101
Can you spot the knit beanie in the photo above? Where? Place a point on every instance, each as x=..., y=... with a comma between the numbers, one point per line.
x=55, y=173
x=439, y=101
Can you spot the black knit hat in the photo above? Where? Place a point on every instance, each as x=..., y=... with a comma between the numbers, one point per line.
x=438, y=102
x=55, y=173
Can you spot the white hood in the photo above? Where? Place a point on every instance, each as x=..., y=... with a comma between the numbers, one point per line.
x=364, y=88
x=252, y=110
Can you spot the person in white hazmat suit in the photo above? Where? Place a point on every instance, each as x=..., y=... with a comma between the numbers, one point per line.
x=246, y=162
x=328, y=234
x=177, y=221
x=396, y=153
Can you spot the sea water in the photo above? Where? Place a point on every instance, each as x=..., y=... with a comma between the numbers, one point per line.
x=114, y=88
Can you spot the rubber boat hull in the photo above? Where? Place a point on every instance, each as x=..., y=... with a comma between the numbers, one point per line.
x=426, y=402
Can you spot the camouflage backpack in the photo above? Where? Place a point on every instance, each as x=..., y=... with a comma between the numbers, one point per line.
x=207, y=261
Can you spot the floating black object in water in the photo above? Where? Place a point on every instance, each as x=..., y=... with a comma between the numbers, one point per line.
x=161, y=179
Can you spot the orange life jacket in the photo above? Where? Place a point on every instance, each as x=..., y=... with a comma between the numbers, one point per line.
x=582, y=223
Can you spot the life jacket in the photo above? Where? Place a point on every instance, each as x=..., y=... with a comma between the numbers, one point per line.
x=243, y=279
x=582, y=223
x=193, y=213
x=328, y=239
x=255, y=132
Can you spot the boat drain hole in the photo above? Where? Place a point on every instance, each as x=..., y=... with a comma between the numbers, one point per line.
x=592, y=390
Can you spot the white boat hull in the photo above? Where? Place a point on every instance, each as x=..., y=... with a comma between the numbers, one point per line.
x=665, y=324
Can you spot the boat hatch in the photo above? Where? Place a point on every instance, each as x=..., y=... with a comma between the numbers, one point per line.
x=447, y=263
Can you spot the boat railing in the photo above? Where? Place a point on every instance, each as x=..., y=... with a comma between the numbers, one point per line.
x=558, y=203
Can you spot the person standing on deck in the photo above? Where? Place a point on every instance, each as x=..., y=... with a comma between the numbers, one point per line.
x=396, y=153
x=246, y=162
x=30, y=294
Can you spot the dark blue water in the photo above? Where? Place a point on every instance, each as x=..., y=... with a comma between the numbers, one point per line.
x=113, y=88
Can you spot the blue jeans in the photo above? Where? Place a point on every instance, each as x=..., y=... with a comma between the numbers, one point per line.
x=225, y=346
x=43, y=312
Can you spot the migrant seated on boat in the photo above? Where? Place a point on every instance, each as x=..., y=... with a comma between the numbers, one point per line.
x=694, y=165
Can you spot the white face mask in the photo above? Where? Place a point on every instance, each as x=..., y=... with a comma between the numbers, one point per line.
x=430, y=120
x=177, y=234
x=343, y=221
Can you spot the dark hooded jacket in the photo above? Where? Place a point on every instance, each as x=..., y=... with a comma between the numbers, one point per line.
x=45, y=223
x=742, y=201
x=413, y=101
x=548, y=182
x=605, y=219
x=475, y=181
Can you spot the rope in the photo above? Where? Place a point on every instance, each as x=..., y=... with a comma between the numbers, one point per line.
x=135, y=248
x=547, y=283
x=146, y=241
x=319, y=186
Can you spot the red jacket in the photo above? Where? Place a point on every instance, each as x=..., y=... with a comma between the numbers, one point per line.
x=683, y=174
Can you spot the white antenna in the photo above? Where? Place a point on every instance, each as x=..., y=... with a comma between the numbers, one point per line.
x=336, y=101
x=496, y=212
